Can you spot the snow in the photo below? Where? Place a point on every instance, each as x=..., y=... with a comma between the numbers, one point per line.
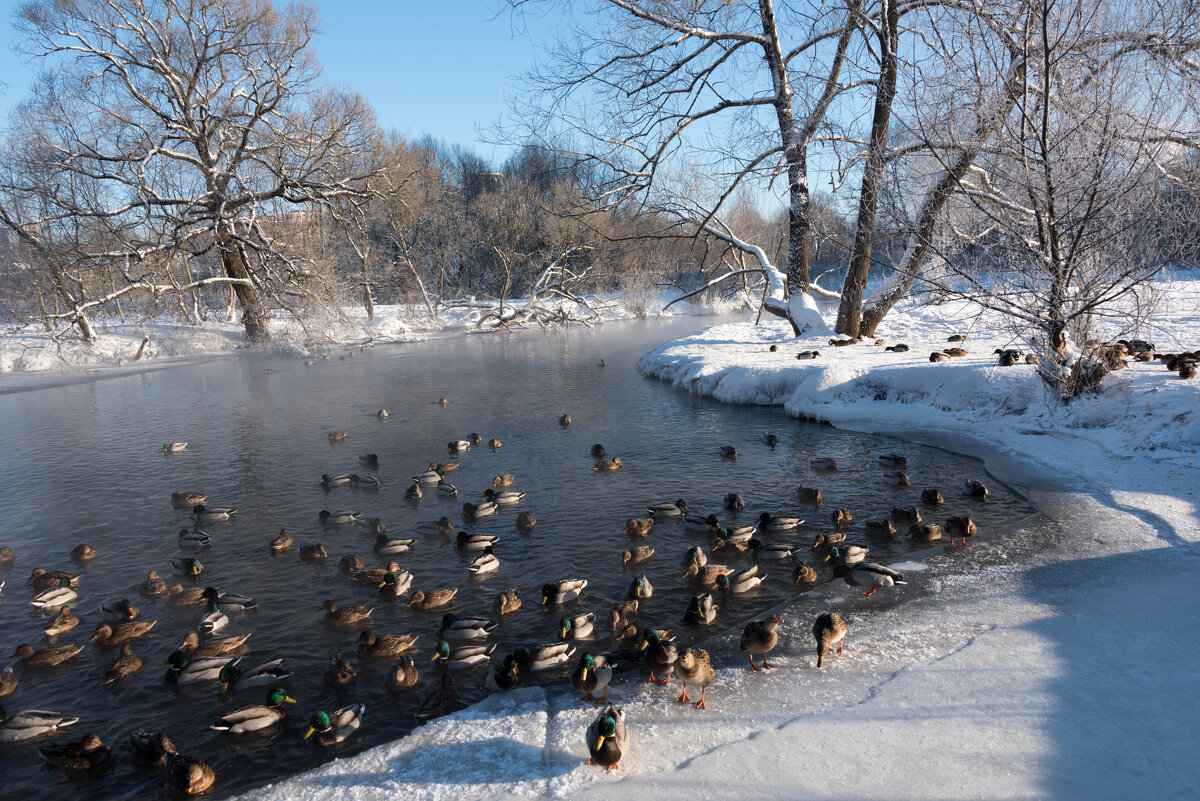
x=1004, y=670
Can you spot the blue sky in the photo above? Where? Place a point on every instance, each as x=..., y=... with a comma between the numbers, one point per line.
x=426, y=67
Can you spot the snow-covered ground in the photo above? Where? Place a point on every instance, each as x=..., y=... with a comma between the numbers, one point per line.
x=1057, y=661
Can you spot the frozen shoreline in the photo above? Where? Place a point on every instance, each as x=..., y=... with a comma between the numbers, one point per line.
x=1025, y=671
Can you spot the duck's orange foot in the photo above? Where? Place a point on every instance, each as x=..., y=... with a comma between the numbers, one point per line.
x=589, y=697
x=701, y=705
x=614, y=767
x=683, y=698
x=755, y=667
x=766, y=665
x=664, y=682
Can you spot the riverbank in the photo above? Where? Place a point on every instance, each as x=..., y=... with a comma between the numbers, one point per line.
x=1056, y=662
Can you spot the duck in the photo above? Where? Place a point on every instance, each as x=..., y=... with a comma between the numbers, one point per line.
x=925, y=532
x=433, y=599
x=85, y=754
x=526, y=521
x=636, y=555
x=905, y=516
x=463, y=657
x=640, y=587
x=846, y=553
x=758, y=638
x=879, y=528
x=725, y=547
x=335, y=727
x=8, y=682
x=639, y=526
x=441, y=700
x=216, y=646
x=212, y=514
x=507, y=601
x=932, y=496
x=61, y=595
x=314, y=552
x=474, y=511
x=184, y=670
x=868, y=574
x=445, y=488
x=563, y=590
x=763, y=550
x=694, y=667
x=266, y=674
x=186, y=500
x=667, y=510
x=394, y=585
x=598, y=451
x=413, y=492
x=742, y=581
x=475, y=542
x=975, y=489
x=378, y=646
x=565, y=421
x=706, y=575
x=959, y=528
x=809, y=495
x=540, y=658
x=823, y=463
x=734, y=502
x=703, y=524
x=503, y=480
x=374, y=576
x=728, y=452
x=577, y=627
x=83, y=553
x=701, y=610
x=149, y=748
x=48, y=657
x=457, y=446
x=504, y=497
x=938, y=357
x=443, y=402
x=187, y=566
x=174, y=447
x=32, y=723
x=805, y=574
x=43, y=580
x=431, y=476
x=474, y=438
x=256, y=717
x=956, y=352
x=194, y=538
x=608, y=465
x=110, y=636
x=495, y=444
x=343, y=518
x=329, y=482
x=364, y=482
x=338, y=673
x=440, y=526
x=230, y=601
x=466, y=628
x=624, y=614
x=897, y=478
x=402, y=675
x=823, y=541
x=388, y=546
x=737, y=533
x=213, y=619
x=769, y=439
x=769, y=522
x=178, y=596
x=607, y=739
x=808, y=354
x=592, y=675
x=369, y=459
x=61, y=623
x=659, y=654
x=893, y=460
x=337, y=436
x=830, y=629
x=351, y=563
x=506, y=676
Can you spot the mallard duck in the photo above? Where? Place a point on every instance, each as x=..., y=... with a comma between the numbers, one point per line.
x=351, y=563
x=213, y=619
x=823, y=463
x=6, y=556
x=503, y=480
x=624, y=614
x=440, y=526
x=441, y=700
x=314, y=552
x=598, y=451
x=256, y=716
x=504, y=497
x=474, y=511
x=726, y=547
x=382, y=414
x=935, y=356
x=810, y=495
x=956, y=352
x=737, y=533
x=547, y=656
x=694, y=667
x=447, y=489
x=565, y=421
x=217, y=646
x=695, y=556
x=769, y=439
x=728, y=452
x=43, y=580
x=706, y=576
x=153, y=586
x=879, y=528
x=805, y=574
x=149, y=748
x=457, y=446
x=759, y=637
x=526, y=521
x=394, y=585
x=607, y=739
x=734, y=502
x=83, y=553
x=905, y=516
x=85, y=754
x=234, y=678
x=229, y=601
x=337, y=436
x=413, y=492
x=174, y=447
x=770, y=522
x=186, y=500
x=563, y=590
x=506, y=676
x=495, y=444
x=378, y=646
x=608, y=465
x=186, y=775
x=184, y=670
x=897, y=478
x=868, y=574
x=212, y=514
x=463, y=657
x=343, y=518
x=125, y=665
x=701, y=610
x=925, y=532
x=841, y=517
x=466, y=628
x=893, y=460
x=592, y=675
x=369, y=459
x=55, y=596
x=178, y=596
x=975, y=489
x=431, y=476
x=329, y=482
x=664, y=510
x=8, y=682
x=805, y=355
x=110, y=636
x=364, y=482
x=187, y=566
x=333, y=728
x=443, y=402
x=388, y=546
x=846, y=553
x=960, y=527
x=576, y=627
x=339, y=673
x=705, y=525
x=639, y=526
x=636, y=555
x=402, y=675
x=48, y=657
x=61, y=623
x=640, y=587
x=763, y=550
x=741, y=581
x=932, y=496
x=659, y=654
x=507, y=601
x=32, y=723
x=829, y=629
x=433, y=599
x=193, y=538
x=475, y=542
x=345, y=616
x=824, y=541
x=374, y=576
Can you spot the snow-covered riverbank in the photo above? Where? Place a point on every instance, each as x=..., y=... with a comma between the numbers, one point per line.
x=1005, y=670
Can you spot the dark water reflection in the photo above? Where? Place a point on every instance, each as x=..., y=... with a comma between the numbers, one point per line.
x=83, y=462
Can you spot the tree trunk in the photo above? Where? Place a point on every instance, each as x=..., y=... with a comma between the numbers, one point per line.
x=233, y=259
x=849, y=317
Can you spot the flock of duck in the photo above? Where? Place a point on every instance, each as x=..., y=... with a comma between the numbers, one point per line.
x=206, y=656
